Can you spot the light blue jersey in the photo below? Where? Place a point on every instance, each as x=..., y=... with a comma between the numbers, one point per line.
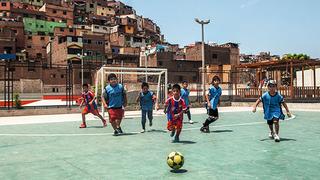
x=146, y=101
x=114, y=96
x=185, y=95
x=272, y=106
x=214, y=96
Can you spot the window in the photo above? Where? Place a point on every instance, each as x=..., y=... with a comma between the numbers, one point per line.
x=54, y=11
x=62, y=76
x=3, y=4
x=52, y=20
x=160, y=63
x=70, y=30
x=41, y=26
x=62, y=29
x=91, y=5
x=89, y=41
x=102, y=14
x=39, y=55
x=82, y=27
x=214, y=56
x=53, y=76
x=41, y=33
x=64, y=12
x=29, y=37
x=53, y=89
x=74, y=51
x=96, y=27
x=29, y=47
x=42, y=38
x=31, y=66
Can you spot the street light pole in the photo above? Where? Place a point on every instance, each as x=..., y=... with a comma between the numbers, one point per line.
x=202, y=23
x=81, y=56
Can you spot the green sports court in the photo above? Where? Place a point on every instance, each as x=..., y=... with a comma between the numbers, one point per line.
x=238, y=147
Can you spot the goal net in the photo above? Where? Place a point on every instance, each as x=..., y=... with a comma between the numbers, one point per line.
x=131, y=79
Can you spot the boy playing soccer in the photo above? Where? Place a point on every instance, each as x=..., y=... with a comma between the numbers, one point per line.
x=185, y=96
x=146, y=98
x=213, y=100
x=175, y=107
x=272, y=101
x=88, y=98
x=114, y=100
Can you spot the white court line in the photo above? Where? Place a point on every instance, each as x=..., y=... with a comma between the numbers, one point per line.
x=103, y=134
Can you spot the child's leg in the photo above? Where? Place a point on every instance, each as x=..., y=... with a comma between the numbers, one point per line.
x=276, y=125
x=83, y=118
x=150, y=117
x=189, y=114
x=143, y=119
x=270, y=124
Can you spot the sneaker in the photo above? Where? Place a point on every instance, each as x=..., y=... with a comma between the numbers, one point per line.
x=142, y=131
x=176, y=139
x=276, y=138
x=104, y=123
x=205, y=129
x=172, y=133
x=120, y=130
x=115, y=133
x=190, y=122
x=83, y=126
x=150, y=123
x=271, y=135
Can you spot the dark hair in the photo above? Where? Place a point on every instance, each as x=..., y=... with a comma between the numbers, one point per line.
x=112, y=75
x=215, y=78
x=169, y=87
x=144, y=84
x=85, y=85
x=184, y=82
x=176, y=86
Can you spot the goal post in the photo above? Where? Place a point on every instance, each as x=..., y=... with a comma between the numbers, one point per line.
x=133, y=76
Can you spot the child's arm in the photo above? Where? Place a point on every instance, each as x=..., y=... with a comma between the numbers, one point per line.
x=105, y=105
x=254, y=108
x=124, y=99
x=208, y=102
x=287, y=109
x=82, y=100
x=154, y=98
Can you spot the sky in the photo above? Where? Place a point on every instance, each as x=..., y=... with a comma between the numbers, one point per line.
x=276, y=26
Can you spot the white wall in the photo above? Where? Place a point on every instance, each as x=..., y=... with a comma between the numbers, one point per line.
x=308, y=77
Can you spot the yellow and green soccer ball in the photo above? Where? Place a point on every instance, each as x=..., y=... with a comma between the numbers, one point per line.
x=175, y=160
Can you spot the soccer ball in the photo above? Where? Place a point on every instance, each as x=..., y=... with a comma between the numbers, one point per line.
x=175, y=160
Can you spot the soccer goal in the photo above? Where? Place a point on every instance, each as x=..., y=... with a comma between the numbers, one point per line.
x=132, y=78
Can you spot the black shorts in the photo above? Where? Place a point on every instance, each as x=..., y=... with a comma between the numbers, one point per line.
x=213, y=112
x=270, y=122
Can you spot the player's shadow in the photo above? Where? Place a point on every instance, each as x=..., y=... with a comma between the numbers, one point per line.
x=281, y=139
x=95, y=127
x=222, y=131
x=179, y=171
x=126, y=134
x=156, y=131
x=184, y=142
x=194, y=122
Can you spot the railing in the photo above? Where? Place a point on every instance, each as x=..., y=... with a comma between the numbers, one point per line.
x=298, y=92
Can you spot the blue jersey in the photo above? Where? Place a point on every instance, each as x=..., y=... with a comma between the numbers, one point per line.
x=114, y=96
x=272, y=106
x=185, y=95
x=146, y=101
x=214, y=96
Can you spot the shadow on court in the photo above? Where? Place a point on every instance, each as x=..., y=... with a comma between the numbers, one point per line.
x=194, y=122
x=126, y=134
x=156, y=131
x=179, y=171
x=222, y=131
x=281, y=139
x=95, y=127
x=184, y=142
